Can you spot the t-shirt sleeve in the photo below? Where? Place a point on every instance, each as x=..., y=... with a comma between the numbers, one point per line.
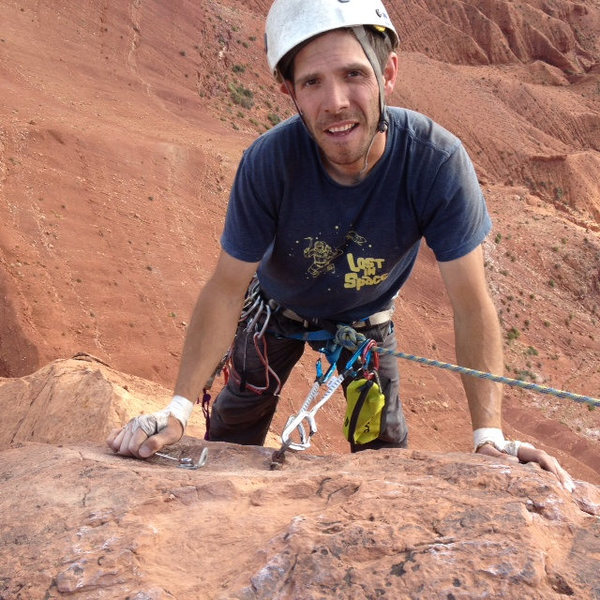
x=250, y=222
x=455, y=217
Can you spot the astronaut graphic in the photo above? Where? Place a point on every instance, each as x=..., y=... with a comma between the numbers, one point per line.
x=323, y=256
x=361, y=270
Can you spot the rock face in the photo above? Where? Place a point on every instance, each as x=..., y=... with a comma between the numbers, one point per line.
x=389, y=524
x=120, y=133
x=79, y=522
x=73, y=400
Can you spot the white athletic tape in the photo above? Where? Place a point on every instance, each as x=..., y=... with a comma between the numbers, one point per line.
x=512, y=448
x=150, y=424
x=494, y=436
x=180, y=407
x=488, y=435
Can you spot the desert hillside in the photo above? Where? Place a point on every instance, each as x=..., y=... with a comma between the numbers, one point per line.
x=121, y=125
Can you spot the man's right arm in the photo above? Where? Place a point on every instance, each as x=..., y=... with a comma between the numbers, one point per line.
x=213, y=324
x=209, y=335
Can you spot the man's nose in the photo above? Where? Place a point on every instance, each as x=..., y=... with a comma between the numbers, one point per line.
x=336, y=97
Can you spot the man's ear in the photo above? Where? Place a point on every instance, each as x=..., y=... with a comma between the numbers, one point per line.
x=286, y=88
x=390, y=73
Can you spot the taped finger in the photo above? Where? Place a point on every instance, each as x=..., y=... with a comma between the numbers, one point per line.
x=514, y=446
x=117, y=438
x=149, y=424
x=136, y=439
x=494, y=437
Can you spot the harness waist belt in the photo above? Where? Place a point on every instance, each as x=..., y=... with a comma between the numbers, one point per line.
x=378, y=318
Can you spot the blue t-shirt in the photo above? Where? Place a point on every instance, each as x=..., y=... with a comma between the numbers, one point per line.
x=342, y=252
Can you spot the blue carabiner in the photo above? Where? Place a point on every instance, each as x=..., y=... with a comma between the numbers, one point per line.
x=350, y=364
x=332, y=352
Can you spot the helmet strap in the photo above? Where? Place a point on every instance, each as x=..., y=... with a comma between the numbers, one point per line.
x=382, y=125
x=363, y=40
x=292, y=95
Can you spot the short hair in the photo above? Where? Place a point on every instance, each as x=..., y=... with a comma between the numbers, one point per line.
x=380, y=41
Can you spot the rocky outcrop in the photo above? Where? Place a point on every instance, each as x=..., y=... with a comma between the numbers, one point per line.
x=81, y=522
x=80, y=399
x=85, y=524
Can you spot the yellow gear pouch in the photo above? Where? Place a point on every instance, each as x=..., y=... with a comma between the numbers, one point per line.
x=363, y=413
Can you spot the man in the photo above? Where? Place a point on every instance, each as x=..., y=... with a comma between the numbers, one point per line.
x=329, y=209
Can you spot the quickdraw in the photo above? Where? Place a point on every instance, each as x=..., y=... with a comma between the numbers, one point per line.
x=256, y=307
x=311, y=405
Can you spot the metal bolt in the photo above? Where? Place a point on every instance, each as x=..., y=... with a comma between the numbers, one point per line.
x=186, y=462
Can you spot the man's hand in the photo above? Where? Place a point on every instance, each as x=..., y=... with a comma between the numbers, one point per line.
x=132, y=440
x=147, y=434
x=528, y=454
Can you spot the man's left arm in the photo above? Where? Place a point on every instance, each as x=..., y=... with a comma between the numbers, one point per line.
x=479, y=346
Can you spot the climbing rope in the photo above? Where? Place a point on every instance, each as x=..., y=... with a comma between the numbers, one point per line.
x=349, y=338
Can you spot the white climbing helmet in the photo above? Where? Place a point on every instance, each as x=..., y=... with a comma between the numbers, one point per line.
x=291, y=22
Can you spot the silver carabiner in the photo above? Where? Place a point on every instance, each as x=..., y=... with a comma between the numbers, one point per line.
x=295, y=422
x=266, y=323
x=257, y=312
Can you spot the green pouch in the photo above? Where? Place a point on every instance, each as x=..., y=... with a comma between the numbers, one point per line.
x=363, y=413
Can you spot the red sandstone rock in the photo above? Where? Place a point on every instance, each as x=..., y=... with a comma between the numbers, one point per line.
x=119, y=142
x=389, y=524
x=81, y=522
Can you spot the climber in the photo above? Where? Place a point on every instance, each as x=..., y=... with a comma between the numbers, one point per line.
x=328, y=209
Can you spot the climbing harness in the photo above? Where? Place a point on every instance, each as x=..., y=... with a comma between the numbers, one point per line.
x=254, y=307
x=311, y=405
x=350, y=339
x=365, y=399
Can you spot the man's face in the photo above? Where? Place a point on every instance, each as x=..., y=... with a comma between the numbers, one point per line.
x=338, y=95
